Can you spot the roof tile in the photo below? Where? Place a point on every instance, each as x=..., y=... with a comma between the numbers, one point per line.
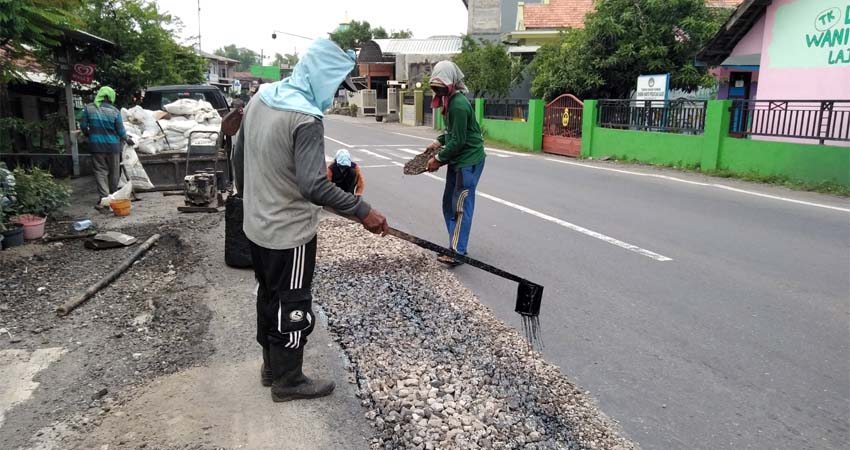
x=557, y=14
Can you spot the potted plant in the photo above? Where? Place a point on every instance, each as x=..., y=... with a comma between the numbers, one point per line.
x=11, y=234
x=38, y=196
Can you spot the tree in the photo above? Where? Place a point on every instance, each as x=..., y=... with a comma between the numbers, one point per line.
x=488, y=68
x=147, y=54
x=401, y=34
x=623, y=39
x=246, y=57
x=28, y=26
x=380, y=33
x=355, y=34
x=289, y=58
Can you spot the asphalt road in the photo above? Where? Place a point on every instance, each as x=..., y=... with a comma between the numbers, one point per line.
x=700, y=317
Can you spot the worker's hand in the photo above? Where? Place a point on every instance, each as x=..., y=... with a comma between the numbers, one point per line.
x=433, y=165
x=376, y=223
x=434, y=145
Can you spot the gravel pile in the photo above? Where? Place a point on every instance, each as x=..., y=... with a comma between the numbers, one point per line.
x=147, y=323
x=434, y=367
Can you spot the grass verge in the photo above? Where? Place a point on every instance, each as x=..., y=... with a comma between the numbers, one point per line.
x=776, y=180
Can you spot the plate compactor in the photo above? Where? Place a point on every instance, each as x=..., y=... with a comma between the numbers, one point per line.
x=203, y=189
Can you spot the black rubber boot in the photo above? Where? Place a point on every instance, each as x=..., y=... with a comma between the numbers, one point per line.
x=290, y=382
x=266, y=377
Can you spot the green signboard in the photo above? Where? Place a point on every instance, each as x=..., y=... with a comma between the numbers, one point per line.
x=267, y=72
x=811, y=33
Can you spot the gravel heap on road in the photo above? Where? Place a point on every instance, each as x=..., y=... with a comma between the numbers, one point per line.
x=435, y=368
x=147, y=323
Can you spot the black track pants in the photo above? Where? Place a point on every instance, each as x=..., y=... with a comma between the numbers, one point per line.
x=284, y=303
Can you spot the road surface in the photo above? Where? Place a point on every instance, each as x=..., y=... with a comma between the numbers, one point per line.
x=700, y=316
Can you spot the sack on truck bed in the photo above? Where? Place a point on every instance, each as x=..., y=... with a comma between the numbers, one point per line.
x=182, y=107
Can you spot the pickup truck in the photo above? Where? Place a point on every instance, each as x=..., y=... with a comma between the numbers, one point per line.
x=158, y=96
x=166, y=170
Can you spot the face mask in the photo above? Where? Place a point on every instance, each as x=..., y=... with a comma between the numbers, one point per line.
x=440, y=91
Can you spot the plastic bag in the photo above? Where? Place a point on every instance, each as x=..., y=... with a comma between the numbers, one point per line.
x=124, y=193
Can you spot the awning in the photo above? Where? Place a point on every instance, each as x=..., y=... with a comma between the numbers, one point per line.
x=520, y=49
x=742, y=60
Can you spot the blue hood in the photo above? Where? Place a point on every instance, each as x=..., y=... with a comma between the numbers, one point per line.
x=314, y=82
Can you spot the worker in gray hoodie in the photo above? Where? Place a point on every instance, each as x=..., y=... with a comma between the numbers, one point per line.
x=279, y=160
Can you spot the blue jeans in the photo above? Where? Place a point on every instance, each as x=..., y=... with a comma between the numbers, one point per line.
x=459, y=203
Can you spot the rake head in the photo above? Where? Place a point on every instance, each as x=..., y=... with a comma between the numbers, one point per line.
x=528, y=298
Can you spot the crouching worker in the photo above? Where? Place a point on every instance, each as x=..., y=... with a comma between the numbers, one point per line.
x=279, y=161
x=345, y=173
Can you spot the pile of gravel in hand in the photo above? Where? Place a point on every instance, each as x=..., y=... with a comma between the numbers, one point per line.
x=435, y=368
x=419, y=163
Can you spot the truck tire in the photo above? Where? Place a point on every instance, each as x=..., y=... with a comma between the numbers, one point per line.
x=237, y=247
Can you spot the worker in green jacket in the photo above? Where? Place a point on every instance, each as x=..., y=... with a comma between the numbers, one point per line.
x=462, y=150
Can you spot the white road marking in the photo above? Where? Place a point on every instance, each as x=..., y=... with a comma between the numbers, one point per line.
x=380, y=145
x=415, y=137
x=378, y=166
x=499, y=153
x=338, y=142
x=398, y=163
x=571, y=226
x=697, y=183
x=376, y=155
x=409, y=151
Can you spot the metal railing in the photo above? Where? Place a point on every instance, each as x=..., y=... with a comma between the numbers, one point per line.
x=821, y=120
x=506, y=109
x=666, y=116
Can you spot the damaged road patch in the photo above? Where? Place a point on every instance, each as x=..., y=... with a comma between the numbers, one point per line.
x=18, y=368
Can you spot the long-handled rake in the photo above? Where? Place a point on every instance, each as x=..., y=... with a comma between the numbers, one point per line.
x=529, y=295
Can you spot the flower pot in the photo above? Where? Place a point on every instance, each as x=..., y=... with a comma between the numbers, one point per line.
x=120, y=207
x=33, y=225
x=13, y=237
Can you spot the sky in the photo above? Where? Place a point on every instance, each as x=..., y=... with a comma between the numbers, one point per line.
x=249, y=23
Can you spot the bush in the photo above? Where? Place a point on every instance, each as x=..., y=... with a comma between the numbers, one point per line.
x=353, y=109
x=38, y=193
x=7, y=196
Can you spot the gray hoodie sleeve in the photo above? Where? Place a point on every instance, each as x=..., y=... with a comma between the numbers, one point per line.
x=311, y=173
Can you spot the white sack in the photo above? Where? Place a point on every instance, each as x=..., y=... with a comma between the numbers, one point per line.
x=182, y=107
x=134, y=169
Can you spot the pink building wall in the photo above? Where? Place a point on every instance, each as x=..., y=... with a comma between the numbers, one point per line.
x=799, y=83
x=752, y=43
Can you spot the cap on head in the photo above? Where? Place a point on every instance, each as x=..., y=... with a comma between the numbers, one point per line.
x=343, y=158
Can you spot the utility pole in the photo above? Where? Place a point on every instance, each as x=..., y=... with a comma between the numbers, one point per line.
x=199, y=26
